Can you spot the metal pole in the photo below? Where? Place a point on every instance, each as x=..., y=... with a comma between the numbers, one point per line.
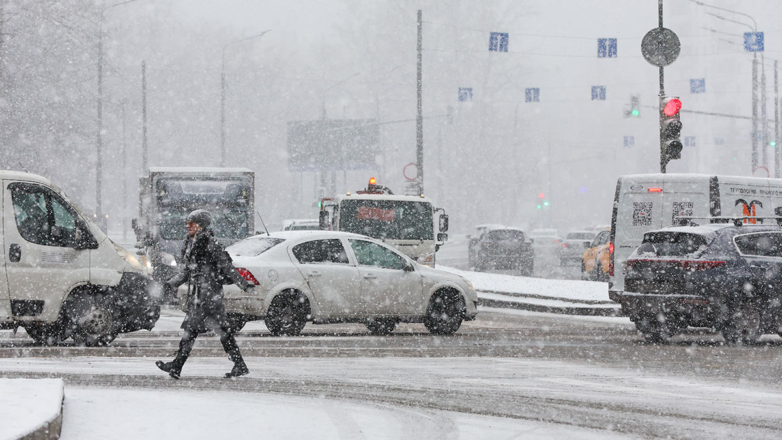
x=763, y=115
x=99, y=140
x=123, y=174
x=754, y=112
x=776, y=122
x=144, y=148
x=663, y=163
x=420, y=117
x=222, y=116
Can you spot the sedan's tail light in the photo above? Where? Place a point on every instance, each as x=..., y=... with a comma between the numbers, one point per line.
x=247, y=275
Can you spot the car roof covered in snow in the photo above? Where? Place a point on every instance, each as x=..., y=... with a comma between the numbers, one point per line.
x=710, y=230
x=194, y=170
x=295, y=235
x=21, y=175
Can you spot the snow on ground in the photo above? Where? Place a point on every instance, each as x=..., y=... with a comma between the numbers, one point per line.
x=562, y=289
x=150, y=414
x=28, y=404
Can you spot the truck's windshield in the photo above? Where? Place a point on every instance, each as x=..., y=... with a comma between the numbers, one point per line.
x=227, y=199
x=387, y=219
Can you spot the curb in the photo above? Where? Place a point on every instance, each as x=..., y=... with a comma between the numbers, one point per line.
x=580, y=311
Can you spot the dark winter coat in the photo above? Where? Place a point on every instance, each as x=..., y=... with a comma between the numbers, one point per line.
x=206, y=267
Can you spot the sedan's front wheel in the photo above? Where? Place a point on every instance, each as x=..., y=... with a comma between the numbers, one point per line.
x=445, y=313
x=287, y=314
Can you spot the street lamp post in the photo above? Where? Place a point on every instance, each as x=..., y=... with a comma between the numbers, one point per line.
x=223, y=151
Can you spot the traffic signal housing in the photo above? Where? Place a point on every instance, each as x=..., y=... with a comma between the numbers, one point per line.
x=670, y=129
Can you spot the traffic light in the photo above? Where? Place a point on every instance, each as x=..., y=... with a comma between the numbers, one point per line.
x=634, y=110
x=670, y=128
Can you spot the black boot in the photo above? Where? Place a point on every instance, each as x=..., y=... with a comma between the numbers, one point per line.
x=239, y=369
x=169, y=368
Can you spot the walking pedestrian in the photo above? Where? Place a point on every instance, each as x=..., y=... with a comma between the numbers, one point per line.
x=206, y=267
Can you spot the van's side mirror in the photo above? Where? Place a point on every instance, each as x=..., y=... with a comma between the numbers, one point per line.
x=82, y=239
x=442, y=237
x=323, y=220
x=444, y=223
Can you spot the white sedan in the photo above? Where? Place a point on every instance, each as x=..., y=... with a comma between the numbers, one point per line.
x=328, y=277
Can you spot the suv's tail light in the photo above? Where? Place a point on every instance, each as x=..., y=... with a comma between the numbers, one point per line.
x=610, y=259
x=247, y=275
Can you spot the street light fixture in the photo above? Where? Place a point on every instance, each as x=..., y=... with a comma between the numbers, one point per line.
x=223, y=152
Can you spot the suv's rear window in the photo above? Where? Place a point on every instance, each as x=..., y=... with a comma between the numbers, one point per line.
x=580, y=236
x=672, y=244
x=506, y=235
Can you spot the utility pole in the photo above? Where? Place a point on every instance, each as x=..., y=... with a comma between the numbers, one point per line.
x=420, y=118
x=123, y=173
x=776, y=122
x=763, y=115
x=144, y=154
x=663, y=158
x=99, y=135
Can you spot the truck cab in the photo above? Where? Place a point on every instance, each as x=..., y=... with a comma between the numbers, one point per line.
x=409, y=223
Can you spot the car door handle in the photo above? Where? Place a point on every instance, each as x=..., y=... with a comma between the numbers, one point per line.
x=315, y=273
x=370, y=276
x=14, y=253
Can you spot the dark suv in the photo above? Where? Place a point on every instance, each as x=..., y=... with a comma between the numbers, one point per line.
x=505, y=248
x=721, y=276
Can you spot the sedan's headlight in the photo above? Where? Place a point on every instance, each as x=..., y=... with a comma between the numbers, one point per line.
x=127, y=256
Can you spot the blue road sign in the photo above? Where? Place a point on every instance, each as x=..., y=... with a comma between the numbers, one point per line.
x=719, y=141
x=753, y=41
x=698, y=85
x=532, y=95
x=606, y=48
x=629, y=141
x=598, y=93
x=498, y=42
x=465, y=94
x=689, y=141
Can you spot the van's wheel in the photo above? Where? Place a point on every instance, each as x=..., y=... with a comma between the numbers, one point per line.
x=45, y=334
x=381, y=326
x=287, y=314
x=743, y=324
x=445, y=313
x=90, y=320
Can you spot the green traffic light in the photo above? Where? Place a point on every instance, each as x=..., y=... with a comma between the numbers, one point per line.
x=545, y=203
x=538, y=206
x=635, y=112
x=773, y=143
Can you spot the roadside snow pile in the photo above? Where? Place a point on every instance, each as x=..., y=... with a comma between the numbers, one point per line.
x=30, y=405
x=573, y=290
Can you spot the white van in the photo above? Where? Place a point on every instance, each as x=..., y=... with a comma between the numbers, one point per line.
x=63, y=277
x=652, y=201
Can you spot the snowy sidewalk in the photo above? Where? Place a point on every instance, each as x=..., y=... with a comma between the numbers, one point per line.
x=570, y=297
x=31, y=408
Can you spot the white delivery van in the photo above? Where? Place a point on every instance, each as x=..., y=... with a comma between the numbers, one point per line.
x=63, y=277
x=652, y=201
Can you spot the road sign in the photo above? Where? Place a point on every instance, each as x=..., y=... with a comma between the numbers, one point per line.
x=606, y=48
x=629, y=141
x=660, y=47
x=465, y=94
x=753, y=41
x=598, y=93
x=498, y=42
x=532, y=95
x=404, y=171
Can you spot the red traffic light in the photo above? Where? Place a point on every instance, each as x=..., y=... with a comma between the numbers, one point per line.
x=541, y=195
x=672, y=107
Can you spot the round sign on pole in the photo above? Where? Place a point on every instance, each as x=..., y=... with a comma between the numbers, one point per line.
x=761, y=170
x=404, y=171
x=660, y=47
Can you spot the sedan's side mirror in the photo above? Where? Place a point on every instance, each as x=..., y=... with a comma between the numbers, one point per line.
x=532, y=240
x=409, y=267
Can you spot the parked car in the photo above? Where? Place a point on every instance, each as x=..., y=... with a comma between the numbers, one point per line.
x=506, y=248
x=62, y=276
x=545, y=238
x=572, y=251
x=472, y=249
x=719, y=276
x=328, y=276
x=596, y=260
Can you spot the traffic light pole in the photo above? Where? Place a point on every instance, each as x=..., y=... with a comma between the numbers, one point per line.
x=663, y=158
